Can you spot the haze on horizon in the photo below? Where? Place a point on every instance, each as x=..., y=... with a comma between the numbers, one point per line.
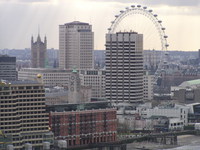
x=20, y=20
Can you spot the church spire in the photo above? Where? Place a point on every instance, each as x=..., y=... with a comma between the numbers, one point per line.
x=38, y=38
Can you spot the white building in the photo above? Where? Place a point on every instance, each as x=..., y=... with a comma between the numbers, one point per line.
x=124, y=67
x=76, y=45
x=179, y=112
x=95, y=79
x=148, y=86
x=50, y=77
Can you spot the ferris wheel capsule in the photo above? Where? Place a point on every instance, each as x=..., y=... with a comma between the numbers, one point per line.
x=133, y=6
x=116, y=16
x=112, y=22
x=138, y=6
x=150, y=10
x=166, y=45
x=109, y=29
x=162, y=28
x=121, y=11
x=159, y=21
x=165, y=36
x=145, y=7
x=155, y=15
x=127, y=8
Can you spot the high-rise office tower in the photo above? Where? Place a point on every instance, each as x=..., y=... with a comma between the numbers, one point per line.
x=23, y=114
x=8, y=68
x=76, y=44
x=124, y=67
x=38, y=52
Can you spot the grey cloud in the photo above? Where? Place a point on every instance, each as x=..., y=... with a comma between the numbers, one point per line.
x=158, y=2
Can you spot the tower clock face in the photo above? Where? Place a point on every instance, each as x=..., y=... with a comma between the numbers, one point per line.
x=72, y=79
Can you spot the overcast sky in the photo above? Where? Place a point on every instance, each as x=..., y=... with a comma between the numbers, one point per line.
x=19, y=20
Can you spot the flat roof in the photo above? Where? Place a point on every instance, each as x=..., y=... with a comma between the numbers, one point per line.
x=77, y=23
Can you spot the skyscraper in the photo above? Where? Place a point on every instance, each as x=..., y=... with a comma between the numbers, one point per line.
x=38, y=52
x=76, y=44
x=124, y=67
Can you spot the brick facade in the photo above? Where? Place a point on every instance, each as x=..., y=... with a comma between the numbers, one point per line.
x=85, y=127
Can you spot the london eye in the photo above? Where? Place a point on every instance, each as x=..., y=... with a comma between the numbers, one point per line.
x=144, y=21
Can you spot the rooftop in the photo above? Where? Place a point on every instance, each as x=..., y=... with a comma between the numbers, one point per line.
x=77, y=23
x=190, y=83
x=18, y=82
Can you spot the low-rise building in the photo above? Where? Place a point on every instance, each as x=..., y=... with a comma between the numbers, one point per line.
x=83, y=124
x=95, y=79
x=188, y=92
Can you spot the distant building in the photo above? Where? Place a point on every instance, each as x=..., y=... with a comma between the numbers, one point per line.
x=23, y=114
x=56, y=95
x=99, y=59
x=188, y=92
x=50, y=77
x=38, y=53
x=124, y=67
x=95, y=79
x=149, y=81
x=177, y=114
x=8, y=68
x=76, y=45
x=83, y=124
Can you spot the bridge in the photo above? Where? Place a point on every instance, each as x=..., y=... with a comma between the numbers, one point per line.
x=167, y=138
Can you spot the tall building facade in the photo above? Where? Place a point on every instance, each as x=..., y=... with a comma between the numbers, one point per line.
x=8, y=68
x=38, y=52
x=76, y=45
x=124, y=67
x=23, y=114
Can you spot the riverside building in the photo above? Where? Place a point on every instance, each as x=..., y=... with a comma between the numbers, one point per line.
x=23, y=114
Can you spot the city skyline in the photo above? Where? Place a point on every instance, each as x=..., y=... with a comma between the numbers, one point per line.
x=20, y=20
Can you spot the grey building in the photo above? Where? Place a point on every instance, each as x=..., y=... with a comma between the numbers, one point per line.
x=76, y=45
x=38, y=52
x=8, y=68
x=124, y=67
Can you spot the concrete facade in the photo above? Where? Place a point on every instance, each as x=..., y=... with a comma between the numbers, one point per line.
x=124, y=67
x=23, y=113
x=76, y=45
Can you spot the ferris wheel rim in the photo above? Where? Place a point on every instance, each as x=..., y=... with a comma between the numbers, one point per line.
x=148, y=13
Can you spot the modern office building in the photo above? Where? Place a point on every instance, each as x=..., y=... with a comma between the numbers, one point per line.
x=124, y=67
x=8, y=68
x=76, y=45
x=38, y=52
x=23, y=114
x=83, y=124
x=95, y=79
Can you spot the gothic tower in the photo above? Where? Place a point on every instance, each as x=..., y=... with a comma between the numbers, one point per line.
x=38, y=52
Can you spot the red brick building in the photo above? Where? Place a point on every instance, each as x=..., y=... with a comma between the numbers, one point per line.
x=84, y=127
